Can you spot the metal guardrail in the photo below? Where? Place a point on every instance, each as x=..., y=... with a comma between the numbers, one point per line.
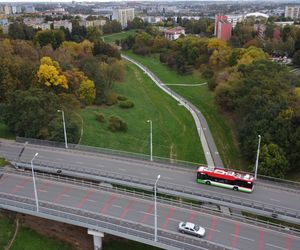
x=130, y=155
x=106, y=224
x=165, y=200
x=290, y=215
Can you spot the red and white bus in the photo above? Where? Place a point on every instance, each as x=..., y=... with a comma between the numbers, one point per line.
x=225, y=178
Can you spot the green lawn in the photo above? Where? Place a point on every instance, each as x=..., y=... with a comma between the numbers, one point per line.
x=6, y=230
x=127, y=245
x=27, y=239
x=118, y=36
x=201, y=97
x=174, y=131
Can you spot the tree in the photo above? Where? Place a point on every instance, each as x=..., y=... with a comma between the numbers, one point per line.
x=250, y=54
x=53, y=37
x=49, y=74
x=296, y=58
x=273, y=161
x=94, y=33
x=87, y=92
x=136, y=23
x=29, y=112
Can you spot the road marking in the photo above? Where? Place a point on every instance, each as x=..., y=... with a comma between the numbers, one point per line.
x=85, y=198
x=212, y=228
x=90, y=200
x=66, y=195
x=44, y=186
x=242, y=237
x=274, y=200
x=124, y=213
x=261, y=239
x=122, y=169
x=147, y=214
x=59, y=196
x=192, y=216
x=171, y=211
x=21, y=185
x=42, y=190
x=273, y=246
x=288, y=242
x=118, y=206
x=235, y=235
x=108, y=203
x=168, y=178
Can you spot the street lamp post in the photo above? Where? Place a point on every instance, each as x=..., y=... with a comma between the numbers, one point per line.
x=34, y=184
x=155, y=210
x=151, y=152
x=64, y=124
x=257, y=157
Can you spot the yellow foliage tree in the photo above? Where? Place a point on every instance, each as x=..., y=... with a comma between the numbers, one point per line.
x=220, y=52
x=49, y=74
x=250, y=54
x=87, y=92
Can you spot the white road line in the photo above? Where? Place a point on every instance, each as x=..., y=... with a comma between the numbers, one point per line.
x=43, y=190
x=168, y=178
x=273, y=246
x=18, y=186
x=274, y=200
x=116, y=206
x=66, y=195
x=143, y=212
x=216, y=230
x=90, y=200
x=175, y=220
x=244, y=238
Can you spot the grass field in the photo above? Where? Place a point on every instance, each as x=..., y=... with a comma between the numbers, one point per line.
x=201, y=97
x=28, y=239
x=174, y=132
x=118, y=36
x=6, y=230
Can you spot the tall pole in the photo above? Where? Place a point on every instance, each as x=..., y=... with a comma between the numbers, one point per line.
x=257, y=157
x=64, y=124
x=151, y=147
x=155, y=210
x=34, y=184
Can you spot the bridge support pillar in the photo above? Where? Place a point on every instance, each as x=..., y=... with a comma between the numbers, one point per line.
x=97, y=237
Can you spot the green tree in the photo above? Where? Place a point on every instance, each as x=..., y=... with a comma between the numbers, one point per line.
x=273, y=161
x=53, y=37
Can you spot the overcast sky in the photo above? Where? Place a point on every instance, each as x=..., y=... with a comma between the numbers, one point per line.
x=57, y=1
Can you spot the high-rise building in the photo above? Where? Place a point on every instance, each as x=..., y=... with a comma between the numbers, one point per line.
x=223, y=28
x=123, y=16
x=7, y=10
x=292, y=12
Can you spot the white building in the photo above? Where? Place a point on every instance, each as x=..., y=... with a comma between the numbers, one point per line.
x=174, y=33
x=7, y=10
x=292, y=12
x=234, y=19
x=16, y=9
x=123, y=16
x=62, y=23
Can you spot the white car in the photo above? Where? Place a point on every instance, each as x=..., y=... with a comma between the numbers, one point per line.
x=191, y=228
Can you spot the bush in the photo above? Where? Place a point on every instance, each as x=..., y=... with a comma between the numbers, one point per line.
x=122, y=98
x=212, y=83
x=126, y=104
x=208, y=73
x=100, y=118
x=111, y=98
x=117, y=124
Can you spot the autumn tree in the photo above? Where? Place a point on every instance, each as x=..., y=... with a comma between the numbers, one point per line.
x=87, y=92
x=49, y=74
x=53, y=37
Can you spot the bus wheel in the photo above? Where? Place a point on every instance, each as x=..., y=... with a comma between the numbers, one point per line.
x=207, y=182
x=235, y=188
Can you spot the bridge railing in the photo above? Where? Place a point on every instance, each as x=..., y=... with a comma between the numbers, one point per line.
x=106, y=224
x=167, y=200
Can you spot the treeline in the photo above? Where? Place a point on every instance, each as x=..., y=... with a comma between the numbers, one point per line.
x=18, y=30
x=37, y=81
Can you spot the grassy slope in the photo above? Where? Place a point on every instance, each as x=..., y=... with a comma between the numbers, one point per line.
x=174, y=132
x=201, y=97
x=28, y=239
x=6, y=230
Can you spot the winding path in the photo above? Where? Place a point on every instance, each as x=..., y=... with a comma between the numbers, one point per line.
x=211, y=153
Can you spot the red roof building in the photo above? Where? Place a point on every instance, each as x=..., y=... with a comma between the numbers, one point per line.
x=223, y=28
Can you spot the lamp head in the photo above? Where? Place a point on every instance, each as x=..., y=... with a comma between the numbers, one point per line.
x=158, y=176
x=36, y=154
x=58, y=110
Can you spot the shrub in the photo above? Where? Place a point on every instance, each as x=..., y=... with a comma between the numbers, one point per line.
x=122, y=98
x=100, y=118
x=208, y=73
x=117, y=124
x=111, y=98
x=126, y=104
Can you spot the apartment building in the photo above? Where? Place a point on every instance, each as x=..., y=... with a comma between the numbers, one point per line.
x=123, y=16
x=292, y=12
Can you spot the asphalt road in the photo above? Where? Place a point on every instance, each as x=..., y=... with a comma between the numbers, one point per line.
x=272, y=194
x=218, y=229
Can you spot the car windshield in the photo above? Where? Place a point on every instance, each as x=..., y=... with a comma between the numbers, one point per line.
x=183, y=224
x=196, y=228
